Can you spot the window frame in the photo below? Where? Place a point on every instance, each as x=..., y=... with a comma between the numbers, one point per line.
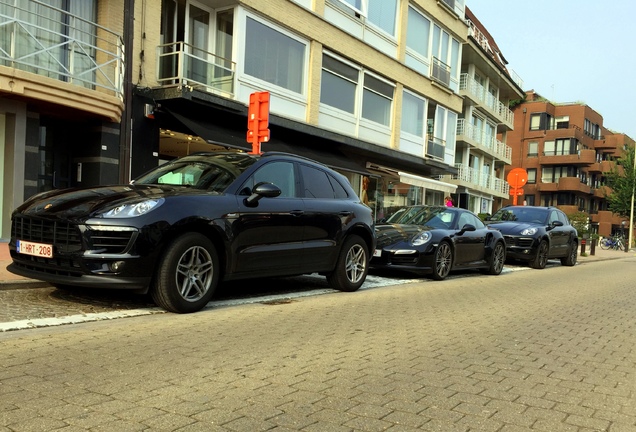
x=302, y=70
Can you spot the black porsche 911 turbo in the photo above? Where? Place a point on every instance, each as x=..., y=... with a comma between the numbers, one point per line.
x=536, y=234
x=436, y=240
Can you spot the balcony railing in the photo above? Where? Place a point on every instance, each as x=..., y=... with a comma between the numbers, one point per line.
x=482, y=41
x=478, y=93
x=488, y=142
x=475, y=179
x=179, y=63
x=440, y=71
x=51, y=42
x=435, y=147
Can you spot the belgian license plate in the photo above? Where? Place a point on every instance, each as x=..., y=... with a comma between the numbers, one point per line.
x=377, y=253
x=35, y=249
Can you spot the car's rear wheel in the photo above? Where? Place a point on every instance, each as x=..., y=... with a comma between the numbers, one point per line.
x=570, y=260
x=352, y=265
x=541, y=258
x=443, y=261
x=187, y=274
x=497, y=259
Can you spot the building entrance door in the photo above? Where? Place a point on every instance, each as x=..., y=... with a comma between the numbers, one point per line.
x=55, y=160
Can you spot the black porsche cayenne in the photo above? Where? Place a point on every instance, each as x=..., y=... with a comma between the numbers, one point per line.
x=183, y=227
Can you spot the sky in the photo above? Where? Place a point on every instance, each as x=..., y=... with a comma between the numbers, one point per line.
x=570, y=51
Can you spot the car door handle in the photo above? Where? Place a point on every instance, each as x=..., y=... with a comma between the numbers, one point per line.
x=296, y=212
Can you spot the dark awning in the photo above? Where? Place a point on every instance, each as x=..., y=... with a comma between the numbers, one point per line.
x=229, y=130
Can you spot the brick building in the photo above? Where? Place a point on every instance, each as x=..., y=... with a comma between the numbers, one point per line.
x=566, y=149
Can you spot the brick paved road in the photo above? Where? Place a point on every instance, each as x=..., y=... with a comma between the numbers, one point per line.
x=548, y=350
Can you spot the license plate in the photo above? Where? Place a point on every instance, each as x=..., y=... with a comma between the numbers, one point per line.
x=377, y=253
x=35, y=249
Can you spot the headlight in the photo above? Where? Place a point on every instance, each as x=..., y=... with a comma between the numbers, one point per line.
x=133, y=209
x=421, y=238
x=529, y=231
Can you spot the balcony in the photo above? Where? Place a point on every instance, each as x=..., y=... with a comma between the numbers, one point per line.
x=584, y=157
x=602, y=192
x=60, y=46
x=435, y=147
x=602, y=167
x=476, y=92
x=440, y=72
x=486, y=143
x=181, y=64
x=473, y=179
x=572, y=184
x=482, y=41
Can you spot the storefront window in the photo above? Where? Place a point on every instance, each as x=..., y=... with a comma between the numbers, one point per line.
x=386, y=194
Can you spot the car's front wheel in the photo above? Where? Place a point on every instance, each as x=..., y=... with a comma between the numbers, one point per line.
x=497, y=259
x=541, y=258
x=352, y=265
x=187, y=274
x=570, y=260
x=443, y=261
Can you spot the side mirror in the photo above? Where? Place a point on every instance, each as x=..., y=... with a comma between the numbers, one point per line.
x=467, y=227
x=267, y=190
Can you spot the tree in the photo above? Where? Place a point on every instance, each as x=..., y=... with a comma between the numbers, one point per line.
x=622, y=180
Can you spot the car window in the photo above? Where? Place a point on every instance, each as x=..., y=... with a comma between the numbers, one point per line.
x=468, y=218
x=464, y=219
x=563, y=218
x=553, y=217
x=442, y=220
x=341, y=192
x=279, y=173
x=316, y=183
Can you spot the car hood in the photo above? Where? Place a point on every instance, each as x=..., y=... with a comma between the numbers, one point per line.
x=389, y=234
x=72, y=203
x=512, y=227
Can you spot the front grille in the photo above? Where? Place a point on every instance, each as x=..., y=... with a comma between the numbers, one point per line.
x=110, y=242
x=408, y=260
x=518, y=241
x=65, y=236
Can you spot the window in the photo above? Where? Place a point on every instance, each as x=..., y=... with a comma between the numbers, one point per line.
x=532, y=175
x=377, y=100
x=540, y=121
x=548, y=148
x=418, y=33
x=316, y=183
x=547, y=174
x=42, y=43
x=273, y=56
x=533, y=149
x=279, y=173
x=413, y=114
x=338, y=84
x=358, y=6
x=529, y=199
x=445, y=53
x=562, y=122
x=382, y=13
x=553, y=174
x=339, y=89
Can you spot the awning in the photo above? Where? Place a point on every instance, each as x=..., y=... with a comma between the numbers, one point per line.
x=427, y=183
x=231, y=131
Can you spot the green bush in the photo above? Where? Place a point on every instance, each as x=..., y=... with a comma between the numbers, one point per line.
x=580, y=221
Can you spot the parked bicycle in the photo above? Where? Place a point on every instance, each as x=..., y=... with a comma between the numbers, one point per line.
x=616, y=242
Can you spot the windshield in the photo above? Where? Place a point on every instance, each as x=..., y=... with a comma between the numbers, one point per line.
x=213, y=172
x=435, y=217
x=521, y=214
